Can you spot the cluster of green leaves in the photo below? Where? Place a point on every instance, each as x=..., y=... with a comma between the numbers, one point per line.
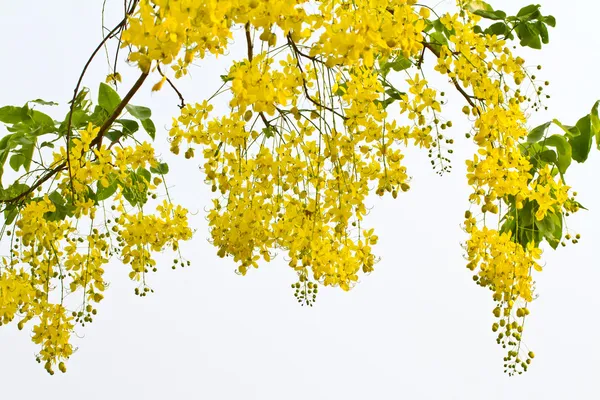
x=575, y=143
x=529, y=25
x=557, y=150
x=526, y=228
x=108, y=101
x=23, y=149
x=24, y=125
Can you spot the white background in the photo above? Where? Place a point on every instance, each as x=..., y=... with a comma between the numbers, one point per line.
x=416, y=328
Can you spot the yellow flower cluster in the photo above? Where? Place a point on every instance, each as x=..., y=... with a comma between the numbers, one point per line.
x=502, y=174
x=140, y=234
x=57, y=256
x=300, y=181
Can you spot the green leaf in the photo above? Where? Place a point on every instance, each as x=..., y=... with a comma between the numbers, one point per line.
x=41, y=121
x=570, y=131
x=498, y=29
x=546, y=227
x=21, y=138
x=385, y=103
x=529, y=35
x=594, y=117
x=16, y=161
x=91, y=195
x=131, y=192
x=269, y=131
x=508, y=226
x=13, y=115
x=493, y=15
x=130, y=196
x=564, y=151
x=63, y=208
x=549, y=20
x=22, y=156
x=543, y=32
x=43, y=102
x=57, y=198
x=4, y=151
x=98, y=116
x=139, y=112
x=596, y=123
x=10, y=213
x=529, y=12
x=143, y=172
x=108, y=99
x=429, y=26
x=557, y=220
x=400, y=63
x=47, y=144
x=438, y=26
x=534, y=42
x=129, y=126
x=80, y=100
x=476, y=5
x=582, y=144
x=5, y=142
x=80, y=120
x=525, y=215
x=161, y=169
x=81, y=115
x=149, y=127
x=439, y=39
x=548, y=156
x=28, y=153
x=103, y=193
x=226, y=78
x=394, y=93
x=537, y=133
x=113, y=136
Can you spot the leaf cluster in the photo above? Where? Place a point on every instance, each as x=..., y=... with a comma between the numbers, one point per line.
x=528, y=25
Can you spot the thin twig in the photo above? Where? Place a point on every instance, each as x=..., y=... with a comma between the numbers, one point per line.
x=298, y=51
x=306, y=93
x=173, y=87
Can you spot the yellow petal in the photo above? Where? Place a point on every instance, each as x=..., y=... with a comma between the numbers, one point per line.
x=159, y=84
